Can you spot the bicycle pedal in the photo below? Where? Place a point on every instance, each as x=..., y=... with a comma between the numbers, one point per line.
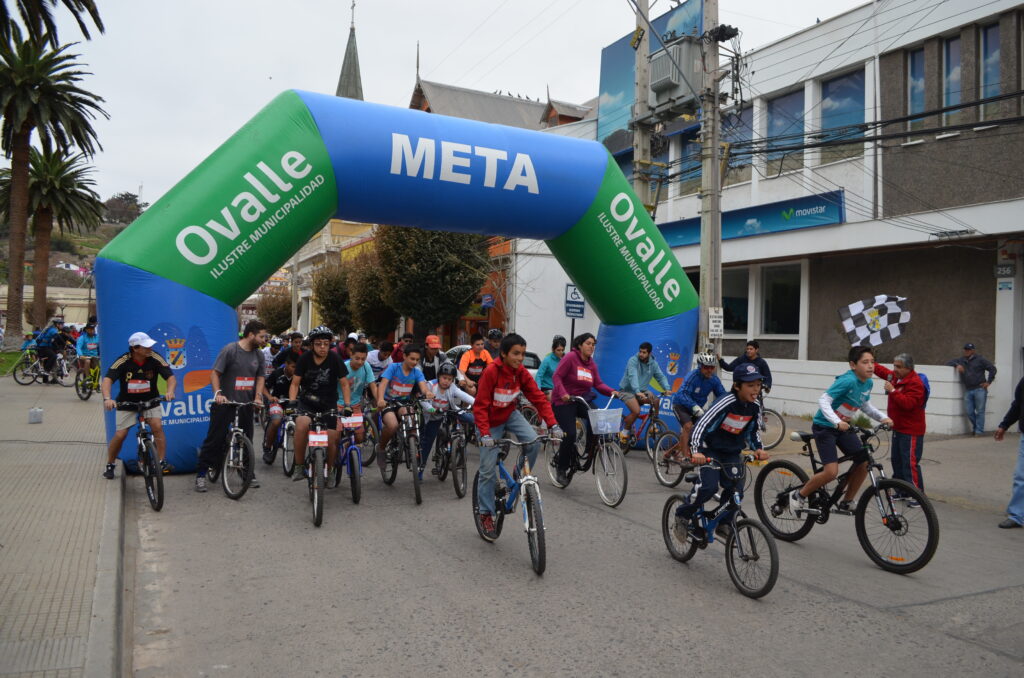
x=808, y=512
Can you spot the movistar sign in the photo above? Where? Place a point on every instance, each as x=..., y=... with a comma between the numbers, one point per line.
x=823, y=209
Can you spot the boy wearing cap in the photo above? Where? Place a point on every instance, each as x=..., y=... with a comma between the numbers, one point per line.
x=976, y=374
x=136, y=373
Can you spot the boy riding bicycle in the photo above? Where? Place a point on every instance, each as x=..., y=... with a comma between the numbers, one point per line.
x=88, y=348
x=397, y=383
x=360, y=378
x=446, y=395
x=689, y=402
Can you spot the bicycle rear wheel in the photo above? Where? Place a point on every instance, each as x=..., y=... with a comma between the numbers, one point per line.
x=675, y=531
x=774, y=429
x=23, y=372
x=897, y=537
x=237, y=469
x=771, y=500
x=655, y=429
x=288, y=449
x=610, y=471
x=368, y=448
x=355, y=471
x=458, y=464
x=413, y=462
x=316, y=485
x=533, y=523
x=152, y=475
x=669, y=472
x=582, y=455
x=752, y=558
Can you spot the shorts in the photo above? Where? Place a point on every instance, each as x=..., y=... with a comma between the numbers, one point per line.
x=126, y=418
x=828, y=438
x=683, y=414
x=329, y=422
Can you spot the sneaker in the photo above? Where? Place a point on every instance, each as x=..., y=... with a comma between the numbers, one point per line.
x=623, y=437
x=561, y=479
x=1009, y=524
x=268, y=455
x=913, y=503
x=487, y=525
x=300, y=473
x=847, y=505
x=200, y=483
x=109, y=473
x=796, y=502
x=165, y=467
x=253, y=482
x=332, y=480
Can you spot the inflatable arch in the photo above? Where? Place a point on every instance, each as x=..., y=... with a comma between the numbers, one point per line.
x=179, y=271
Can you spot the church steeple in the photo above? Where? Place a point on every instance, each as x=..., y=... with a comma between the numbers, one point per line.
x=350, y=83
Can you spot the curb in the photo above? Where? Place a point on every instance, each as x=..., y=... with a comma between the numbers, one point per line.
x=103, y=652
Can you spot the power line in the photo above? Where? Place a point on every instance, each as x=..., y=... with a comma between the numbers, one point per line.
x=461, y=43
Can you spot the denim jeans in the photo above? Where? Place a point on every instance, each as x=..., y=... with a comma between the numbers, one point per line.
x=1015, y=509
x=974, y=403
x=521, y=429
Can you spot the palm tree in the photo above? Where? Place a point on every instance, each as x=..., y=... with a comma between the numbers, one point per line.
x=38, y=18
x=59, y=188
x=38, y=91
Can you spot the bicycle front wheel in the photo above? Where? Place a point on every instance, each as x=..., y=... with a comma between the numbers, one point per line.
x=355, y=470
x=316, y=485
x=83, y=385
x=390, y=468
x=774, y=429
x=413, y=462
x=610, y=470
x=676, y=531
x=667, y=469
x=288, y=450
x=655, y=429
x=752, y=558
x=24, y=372
x=458, y=466
x=533, y=523
x=897, y=536
x=153, y=475
x=771, y=500
x=237, y=470
x=499, y=514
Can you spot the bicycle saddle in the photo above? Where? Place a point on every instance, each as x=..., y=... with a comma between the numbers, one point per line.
x=799, y=436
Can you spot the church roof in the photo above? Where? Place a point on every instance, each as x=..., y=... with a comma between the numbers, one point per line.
x=471, y=104
x=350, y=83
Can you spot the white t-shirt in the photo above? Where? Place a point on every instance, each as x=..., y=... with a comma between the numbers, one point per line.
x=443, y=400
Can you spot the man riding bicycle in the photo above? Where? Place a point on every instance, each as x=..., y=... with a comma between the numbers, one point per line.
x=319, y=374
x=88, y=348
x=689, y=402
x=634, y=389
x=136, y=373
x=49, y=342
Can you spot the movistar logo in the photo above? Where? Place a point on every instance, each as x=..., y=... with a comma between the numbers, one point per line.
x=807, y=212
x=787, y=214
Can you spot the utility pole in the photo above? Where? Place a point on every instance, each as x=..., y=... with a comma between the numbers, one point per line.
x=295, y=292
x=641, y=108
x=710, y=188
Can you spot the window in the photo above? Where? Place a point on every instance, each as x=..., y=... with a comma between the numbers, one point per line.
x=989, y=66
x=734, y=299
x=780, y=288
x=785, y=119
x=737, y=129
x=915, y=87
x=951, y=80
x=842, y=115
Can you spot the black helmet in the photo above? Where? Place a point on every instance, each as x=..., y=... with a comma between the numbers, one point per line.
x=447, y=367
x=494, y=333
x=320, y=332
x=276, y=341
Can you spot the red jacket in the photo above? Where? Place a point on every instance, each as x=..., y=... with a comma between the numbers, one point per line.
x=498, y=392
x=906, y=401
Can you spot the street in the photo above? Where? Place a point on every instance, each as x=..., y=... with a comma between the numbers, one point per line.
x=251, y=588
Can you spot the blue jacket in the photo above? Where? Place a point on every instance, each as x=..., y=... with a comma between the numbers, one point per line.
x=695, y=390
x=45, y=337
x=546, y=371
x=638, y=375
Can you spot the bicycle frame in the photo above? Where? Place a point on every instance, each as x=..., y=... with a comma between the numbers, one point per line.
x=875, y=470
x=513, y=487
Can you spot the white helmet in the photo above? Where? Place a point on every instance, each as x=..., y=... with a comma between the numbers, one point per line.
x=706, y=360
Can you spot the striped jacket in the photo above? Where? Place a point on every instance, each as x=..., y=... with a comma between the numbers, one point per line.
x=725, y=426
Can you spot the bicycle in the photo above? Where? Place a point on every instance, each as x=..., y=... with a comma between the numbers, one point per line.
x=316, y=463
x=87, y=381
x=450, y=454
x=908, y=536
x=747, y=542
x=284, y=439
x=24, y=361
x=507, y=490
x=147, y=461
x=237, y=468
x=26, y=373
x=771, y=426
x=371, y=434
x=350, y=455
x=404, y=445
x=647, y=427
x=605, y=460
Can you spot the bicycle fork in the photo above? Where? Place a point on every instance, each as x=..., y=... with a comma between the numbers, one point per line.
x=528, y=481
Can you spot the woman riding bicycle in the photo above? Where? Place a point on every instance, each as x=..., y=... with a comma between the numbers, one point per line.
x=88, y=347
x=721, y=434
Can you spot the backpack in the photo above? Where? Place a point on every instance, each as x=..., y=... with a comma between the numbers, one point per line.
x=927, y=388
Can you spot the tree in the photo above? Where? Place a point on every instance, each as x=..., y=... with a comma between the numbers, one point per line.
x=366, y=296
x=331, y=296
x=38, y=18
x=124, y=208
x=274, y=308
x=429, y=276
x=38, y=91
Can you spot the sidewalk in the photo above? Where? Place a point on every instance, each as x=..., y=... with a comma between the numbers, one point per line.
x=60, y=531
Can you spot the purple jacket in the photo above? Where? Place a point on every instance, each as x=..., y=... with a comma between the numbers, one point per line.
x=576, y=376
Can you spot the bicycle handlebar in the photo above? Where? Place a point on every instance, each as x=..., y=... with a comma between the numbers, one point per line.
x=508, y=441
x=714, y=463
x=141, y=406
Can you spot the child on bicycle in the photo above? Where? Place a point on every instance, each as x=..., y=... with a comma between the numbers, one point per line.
x=275, y=389
x=689, y=402
x=831, y=428
x=88, y=347
x=397, y=383
x=495, y=414
x=721, y=434
x=446, y=395
x=360, y=379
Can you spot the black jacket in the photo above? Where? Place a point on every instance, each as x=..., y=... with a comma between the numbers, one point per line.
x=1016, y=411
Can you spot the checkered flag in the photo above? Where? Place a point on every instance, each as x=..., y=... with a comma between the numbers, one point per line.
x=870, y=322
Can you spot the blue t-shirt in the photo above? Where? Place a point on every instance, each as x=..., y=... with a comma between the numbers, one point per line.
x=401, y=385
x=357, y=380
x=87, y=346
x=848, y=395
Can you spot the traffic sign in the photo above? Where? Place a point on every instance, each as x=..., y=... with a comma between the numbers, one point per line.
x=574, y=304
x=716, y=322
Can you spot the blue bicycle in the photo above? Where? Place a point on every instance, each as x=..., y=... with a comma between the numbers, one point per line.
x=350, y=456
x=751, y=556
x=507, y=490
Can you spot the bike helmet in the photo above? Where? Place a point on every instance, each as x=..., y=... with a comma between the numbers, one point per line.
x=320, y=332
x=57, y=320
x=276, y=341
x=448, y=368
x=494, y=333
x=706, y=360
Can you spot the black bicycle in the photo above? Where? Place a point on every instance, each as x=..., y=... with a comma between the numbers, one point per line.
x=236, y=471
x=450, y=453
x=404, y=445
x=896, y=524
x=148, y=463
x=316, y=462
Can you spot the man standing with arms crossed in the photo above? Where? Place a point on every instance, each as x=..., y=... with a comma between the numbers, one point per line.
x=237, y=375
x=976, y=374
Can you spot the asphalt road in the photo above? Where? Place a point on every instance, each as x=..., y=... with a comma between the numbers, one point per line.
x=251, y=588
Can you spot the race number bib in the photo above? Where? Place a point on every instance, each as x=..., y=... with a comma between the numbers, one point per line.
x=846, y=411
x=400, y=390
x=352, y=422
x=318, y=439
x=735, y=423
x=137, y=386
x=92, y=347
x=475, y=370
x=585, y=375
x=504, y=397
x=245, y=383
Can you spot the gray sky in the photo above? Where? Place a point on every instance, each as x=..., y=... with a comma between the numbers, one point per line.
x=180, y=77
